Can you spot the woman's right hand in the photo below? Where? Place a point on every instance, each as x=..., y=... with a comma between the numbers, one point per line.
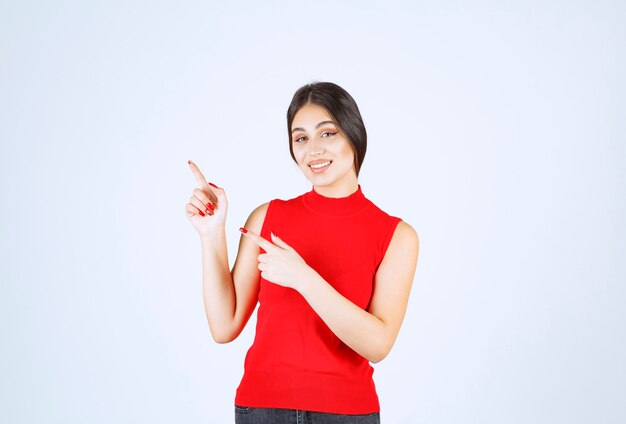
x=207, y=205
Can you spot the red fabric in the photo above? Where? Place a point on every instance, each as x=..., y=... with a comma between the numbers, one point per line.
x=296, y=361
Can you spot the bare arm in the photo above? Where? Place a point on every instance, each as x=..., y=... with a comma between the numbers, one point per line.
x=370, y=333
x=229, y=296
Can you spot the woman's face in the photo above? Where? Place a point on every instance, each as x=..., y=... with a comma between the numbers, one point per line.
x=322, y=150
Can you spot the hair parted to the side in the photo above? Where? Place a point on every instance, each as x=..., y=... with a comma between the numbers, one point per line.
x=342, y=109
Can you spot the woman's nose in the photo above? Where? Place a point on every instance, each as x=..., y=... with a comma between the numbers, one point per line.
x=316, y=147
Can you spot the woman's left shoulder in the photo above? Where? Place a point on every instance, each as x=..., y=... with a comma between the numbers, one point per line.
x=404, y=234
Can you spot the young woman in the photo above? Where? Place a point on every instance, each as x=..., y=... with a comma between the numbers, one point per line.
x=332, y=273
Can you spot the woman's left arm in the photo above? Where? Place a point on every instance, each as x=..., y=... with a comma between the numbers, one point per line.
x=370, y=333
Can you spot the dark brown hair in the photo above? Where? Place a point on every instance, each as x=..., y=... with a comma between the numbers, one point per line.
x=341, y=107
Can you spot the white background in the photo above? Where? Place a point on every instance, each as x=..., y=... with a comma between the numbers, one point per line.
x=496, y=129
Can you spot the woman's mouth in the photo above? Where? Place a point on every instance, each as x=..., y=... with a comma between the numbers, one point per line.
x=319, y=166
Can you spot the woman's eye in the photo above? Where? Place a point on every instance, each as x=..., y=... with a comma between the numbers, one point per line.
x=297, y=140
x=329, y=133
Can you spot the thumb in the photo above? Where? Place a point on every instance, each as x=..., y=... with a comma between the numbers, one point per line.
x=218, y=191
x=279, y=242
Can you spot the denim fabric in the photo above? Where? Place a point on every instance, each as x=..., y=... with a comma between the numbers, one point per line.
x=248, y=415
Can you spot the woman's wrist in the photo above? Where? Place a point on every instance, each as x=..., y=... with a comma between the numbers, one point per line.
x=309, y=283
x=214, y=239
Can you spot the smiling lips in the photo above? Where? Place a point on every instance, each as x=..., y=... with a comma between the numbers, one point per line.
x=318, y=166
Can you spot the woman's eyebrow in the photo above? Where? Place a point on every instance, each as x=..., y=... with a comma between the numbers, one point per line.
x=317, y=126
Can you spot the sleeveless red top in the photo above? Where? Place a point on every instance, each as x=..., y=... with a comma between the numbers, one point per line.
x=296, y=361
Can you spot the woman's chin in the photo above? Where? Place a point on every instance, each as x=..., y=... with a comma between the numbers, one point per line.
x=320, y=180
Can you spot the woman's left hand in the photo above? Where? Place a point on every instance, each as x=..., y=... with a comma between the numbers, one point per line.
x=281, y=264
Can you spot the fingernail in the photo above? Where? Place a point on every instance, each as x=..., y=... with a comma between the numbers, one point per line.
x=243, y=230
x=189, y=162
x=201, y=213
x=213, y=185
x=210, y=206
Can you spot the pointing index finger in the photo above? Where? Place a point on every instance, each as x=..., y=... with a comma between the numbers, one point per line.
x=199, y=177
x=260, y=241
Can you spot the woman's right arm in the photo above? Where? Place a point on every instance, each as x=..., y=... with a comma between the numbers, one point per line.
x=229, y=296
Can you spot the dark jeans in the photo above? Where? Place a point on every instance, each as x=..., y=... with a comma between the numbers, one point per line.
x=247, y=415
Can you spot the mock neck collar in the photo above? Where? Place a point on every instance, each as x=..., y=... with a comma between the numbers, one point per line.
x=335, y=205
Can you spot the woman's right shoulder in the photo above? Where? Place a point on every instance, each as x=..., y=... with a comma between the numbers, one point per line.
x=260, y=211
x=277, y=207
x=257, y=217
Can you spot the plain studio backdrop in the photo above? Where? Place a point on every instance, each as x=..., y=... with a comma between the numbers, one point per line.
x=495, y=128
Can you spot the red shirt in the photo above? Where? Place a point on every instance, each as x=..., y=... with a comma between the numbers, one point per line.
x=296, y=361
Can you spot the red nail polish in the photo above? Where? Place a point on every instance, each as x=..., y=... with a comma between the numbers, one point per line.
x=201, y=213
x=243, y=230
x=213, y=185
x=210, y=206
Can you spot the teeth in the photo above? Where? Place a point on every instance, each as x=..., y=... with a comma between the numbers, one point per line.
x=320, y=165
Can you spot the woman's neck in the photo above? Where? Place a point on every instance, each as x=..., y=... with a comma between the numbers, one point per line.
x=342, y=188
